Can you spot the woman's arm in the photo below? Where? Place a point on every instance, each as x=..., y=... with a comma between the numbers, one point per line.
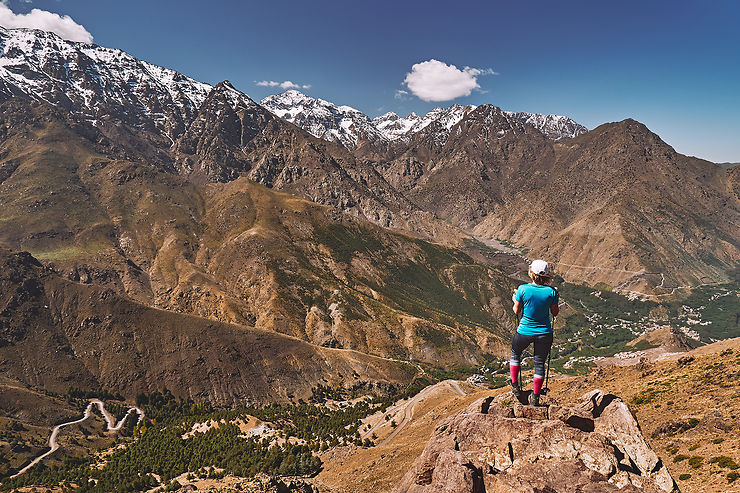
x=517, y=307
x=554, y=309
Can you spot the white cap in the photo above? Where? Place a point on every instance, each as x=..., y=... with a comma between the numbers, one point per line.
x=540, y=268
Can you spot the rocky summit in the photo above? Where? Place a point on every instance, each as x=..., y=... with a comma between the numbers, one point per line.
x=498, y=445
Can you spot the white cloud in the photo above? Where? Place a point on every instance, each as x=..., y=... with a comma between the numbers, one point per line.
x=401, y=95
x=283, y=85
x=433, y=80
x=62, y=25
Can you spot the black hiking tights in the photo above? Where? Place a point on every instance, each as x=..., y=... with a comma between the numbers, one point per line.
x=542, y=344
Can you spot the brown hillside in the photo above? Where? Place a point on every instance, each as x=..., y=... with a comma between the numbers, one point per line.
x=615, y=205
x=237, y=252
x=56, y=334
x=232, y=136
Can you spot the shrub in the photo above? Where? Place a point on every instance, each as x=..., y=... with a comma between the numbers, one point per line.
x=695, y=462
x=724, y=461
x=644, y=397
x=680, y=457
x=684, y=476
x=694, y=447
x=731, y=477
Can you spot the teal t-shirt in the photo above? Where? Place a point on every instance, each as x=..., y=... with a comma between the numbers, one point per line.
x=537, y=300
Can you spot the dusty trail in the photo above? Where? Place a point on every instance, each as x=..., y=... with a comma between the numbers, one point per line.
x=88, y=411
x=408, y=407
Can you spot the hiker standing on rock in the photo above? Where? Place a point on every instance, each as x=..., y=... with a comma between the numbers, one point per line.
x=534, y=302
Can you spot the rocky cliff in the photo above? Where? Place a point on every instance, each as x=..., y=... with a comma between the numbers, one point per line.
x=498, y=445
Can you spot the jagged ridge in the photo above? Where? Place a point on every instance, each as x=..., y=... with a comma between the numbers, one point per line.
x=351, y=127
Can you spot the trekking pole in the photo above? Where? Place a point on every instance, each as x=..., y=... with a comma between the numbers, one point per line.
x=547, y=374
x=549, y=355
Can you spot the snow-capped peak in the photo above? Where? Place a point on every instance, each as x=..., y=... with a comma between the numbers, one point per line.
x=394, y=127
x=323, y=119
x=97, y=83
x=348, y=126
x=555, y=127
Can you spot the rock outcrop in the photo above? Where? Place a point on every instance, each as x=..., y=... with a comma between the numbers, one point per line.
x=498, y=445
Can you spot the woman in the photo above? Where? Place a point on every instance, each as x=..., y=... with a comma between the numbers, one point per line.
x=534, y=302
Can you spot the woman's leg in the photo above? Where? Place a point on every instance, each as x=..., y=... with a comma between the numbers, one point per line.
x=542, y=345
x=518, y=345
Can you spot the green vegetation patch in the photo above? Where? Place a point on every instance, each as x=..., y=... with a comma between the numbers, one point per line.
x=725, y=462
x=714, y=304
x=648, y=395
x=696, y=461
x=159, y=449
x=67, y=252
x=345, y=242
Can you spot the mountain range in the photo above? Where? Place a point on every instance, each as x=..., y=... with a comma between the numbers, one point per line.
x=353, y=129
x=314, y=221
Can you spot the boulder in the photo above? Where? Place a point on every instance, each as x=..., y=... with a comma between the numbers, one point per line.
x=499, y=445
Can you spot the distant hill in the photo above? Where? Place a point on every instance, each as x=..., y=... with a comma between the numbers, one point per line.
x=728, y=165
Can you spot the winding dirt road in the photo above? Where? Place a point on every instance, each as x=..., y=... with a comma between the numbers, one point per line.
x=88, y=411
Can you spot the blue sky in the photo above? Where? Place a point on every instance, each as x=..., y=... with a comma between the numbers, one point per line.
x=674, y=66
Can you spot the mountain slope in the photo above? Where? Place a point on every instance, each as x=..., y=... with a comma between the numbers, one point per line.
x=237, y=252
x=56, y=334
x=232, y=136
x=614, y=205
x=465, y=177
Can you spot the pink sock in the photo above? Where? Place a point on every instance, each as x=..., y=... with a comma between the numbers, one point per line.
x=514, y=371
x=537, y=384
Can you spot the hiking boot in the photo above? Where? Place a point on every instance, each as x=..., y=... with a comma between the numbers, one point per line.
x=515, y=389
x=534, y=399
